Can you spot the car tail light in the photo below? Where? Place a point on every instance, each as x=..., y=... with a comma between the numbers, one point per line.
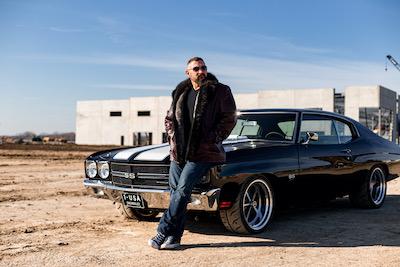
x=225, y=204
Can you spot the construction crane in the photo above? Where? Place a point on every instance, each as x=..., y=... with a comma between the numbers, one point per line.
x=393, y=61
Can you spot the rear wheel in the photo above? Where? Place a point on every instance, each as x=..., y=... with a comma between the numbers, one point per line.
x=372, y=192
x=252, y=209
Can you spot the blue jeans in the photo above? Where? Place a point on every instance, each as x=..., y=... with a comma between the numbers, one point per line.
x=182, y=179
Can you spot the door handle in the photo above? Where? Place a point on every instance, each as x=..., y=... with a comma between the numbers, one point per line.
x=347, y=151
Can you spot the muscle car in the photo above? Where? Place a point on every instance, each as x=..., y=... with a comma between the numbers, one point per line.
x=273, y=156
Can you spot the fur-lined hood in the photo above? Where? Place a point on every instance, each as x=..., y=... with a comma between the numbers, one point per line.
x=214, y=119
x=210, y=82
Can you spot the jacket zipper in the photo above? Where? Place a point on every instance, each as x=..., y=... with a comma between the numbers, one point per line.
x=191, y=126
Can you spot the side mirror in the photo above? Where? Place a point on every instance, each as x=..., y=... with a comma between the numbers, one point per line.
x=311, y=136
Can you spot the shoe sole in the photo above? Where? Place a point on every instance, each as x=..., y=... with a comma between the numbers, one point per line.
x=153, y=244
x=174, y=246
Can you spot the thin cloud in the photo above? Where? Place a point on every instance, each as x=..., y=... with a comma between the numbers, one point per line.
x=280, y=45
x=67, y=30
x=53, y=29
x=123, y=60
x=135, y=87
x=248, y=73
x=254, y=73
x=114, y=29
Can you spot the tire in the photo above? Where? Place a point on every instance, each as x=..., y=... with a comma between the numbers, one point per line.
x=252, y=209
x=134, y=214
x=372, y=192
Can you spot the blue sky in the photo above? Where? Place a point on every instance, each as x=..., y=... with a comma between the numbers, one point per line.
x=54, y=53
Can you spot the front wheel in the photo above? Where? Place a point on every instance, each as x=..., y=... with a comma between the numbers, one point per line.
x=131, y=213
x=372, y=192
x=252, y=209
x=136, y=214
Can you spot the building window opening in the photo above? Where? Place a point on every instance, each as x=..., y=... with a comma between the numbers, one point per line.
x=142, y=138
x=115, y=113
x=164, y=137
x=122, y=140
x=143, y=113
x=339, y=103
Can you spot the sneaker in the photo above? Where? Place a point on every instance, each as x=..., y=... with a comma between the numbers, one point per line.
x=171, y=242
x=157, y=241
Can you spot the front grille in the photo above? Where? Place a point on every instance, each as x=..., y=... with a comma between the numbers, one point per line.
x=140, y=175
x=144, y=175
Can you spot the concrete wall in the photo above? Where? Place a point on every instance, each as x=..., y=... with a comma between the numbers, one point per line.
x=360, y=96
x=387, y=99
x=371, y=97
x=95, y=126
x=368, y=96
x=246, y=101
x=158, y=107
x=301, y=98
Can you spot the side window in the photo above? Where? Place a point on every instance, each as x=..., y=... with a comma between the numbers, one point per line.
x=287, y=128
x=274, y=126
x=246, y=128
x=321, y=125
x=344, y=132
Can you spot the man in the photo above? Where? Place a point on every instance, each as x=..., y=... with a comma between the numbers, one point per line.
x=201, y=116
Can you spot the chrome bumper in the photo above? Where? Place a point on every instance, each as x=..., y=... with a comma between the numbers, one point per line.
x=158, y=198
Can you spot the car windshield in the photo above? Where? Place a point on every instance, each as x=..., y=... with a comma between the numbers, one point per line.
x=267, y=126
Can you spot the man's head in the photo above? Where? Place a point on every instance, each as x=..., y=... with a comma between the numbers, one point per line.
x=196, y=70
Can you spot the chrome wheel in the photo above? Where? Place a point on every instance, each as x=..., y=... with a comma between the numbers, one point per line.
x=257, y=204
x=371, y=193
x=377, y=186
x=253, y=207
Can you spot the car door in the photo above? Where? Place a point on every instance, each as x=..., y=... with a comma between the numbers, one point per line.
x=325, y=163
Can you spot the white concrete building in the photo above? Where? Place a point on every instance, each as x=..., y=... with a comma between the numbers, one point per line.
x=140, y=120
x=121, y=122
x=375, y=107
x=322, y=99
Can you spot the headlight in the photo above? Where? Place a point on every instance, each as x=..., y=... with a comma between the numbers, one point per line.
x=103, y=169
x=91, y=168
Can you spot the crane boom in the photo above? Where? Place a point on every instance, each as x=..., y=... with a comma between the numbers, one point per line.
x=393, y=61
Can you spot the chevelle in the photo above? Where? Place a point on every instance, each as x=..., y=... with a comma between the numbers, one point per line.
x=274, y=156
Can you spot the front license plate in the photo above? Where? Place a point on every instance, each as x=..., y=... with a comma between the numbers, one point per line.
x=133, y=200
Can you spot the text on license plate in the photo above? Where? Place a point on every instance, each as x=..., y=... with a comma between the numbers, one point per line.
x=133, y=200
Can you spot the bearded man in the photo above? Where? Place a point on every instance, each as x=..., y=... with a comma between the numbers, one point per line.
x=201, y=116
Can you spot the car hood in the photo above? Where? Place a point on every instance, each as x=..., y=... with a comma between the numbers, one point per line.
x=160, y=153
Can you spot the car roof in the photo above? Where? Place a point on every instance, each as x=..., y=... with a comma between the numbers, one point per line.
x=290, y=110
x=299, y=110
x=355, y=123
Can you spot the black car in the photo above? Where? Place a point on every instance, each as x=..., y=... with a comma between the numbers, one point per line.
x=274, y=156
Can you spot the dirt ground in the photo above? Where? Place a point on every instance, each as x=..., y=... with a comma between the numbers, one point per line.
x=48, y=219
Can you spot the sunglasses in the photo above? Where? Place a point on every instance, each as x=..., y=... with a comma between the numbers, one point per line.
x=196, y=69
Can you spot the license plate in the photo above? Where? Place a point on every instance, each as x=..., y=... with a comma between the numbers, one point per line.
x=133, y=200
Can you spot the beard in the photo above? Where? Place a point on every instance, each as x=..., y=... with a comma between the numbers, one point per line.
x=201, y=79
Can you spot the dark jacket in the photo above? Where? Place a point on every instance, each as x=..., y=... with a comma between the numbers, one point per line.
x=215, y=117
